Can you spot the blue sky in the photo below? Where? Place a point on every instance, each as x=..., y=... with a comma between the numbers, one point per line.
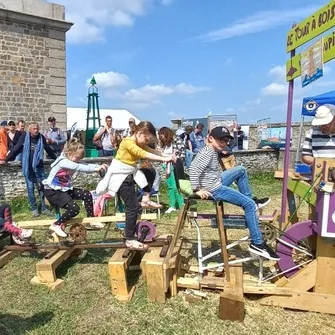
x=164, y=59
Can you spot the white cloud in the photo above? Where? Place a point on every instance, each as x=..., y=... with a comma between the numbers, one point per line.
x=113, y=83
x=274, y=89
x=151, y=94
x=92, y=17
x=261, y=21
x=109, y=79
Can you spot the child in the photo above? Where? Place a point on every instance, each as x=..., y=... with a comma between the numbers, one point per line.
x=206, y=180
x=20, y=236
x=122, y=173
x=58, y=187
x=170, y=147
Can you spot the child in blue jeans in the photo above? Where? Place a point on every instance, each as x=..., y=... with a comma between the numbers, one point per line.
x=207, y=180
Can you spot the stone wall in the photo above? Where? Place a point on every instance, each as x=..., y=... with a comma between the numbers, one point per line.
x=253, y=140
x=12, y=182
x=32, y=61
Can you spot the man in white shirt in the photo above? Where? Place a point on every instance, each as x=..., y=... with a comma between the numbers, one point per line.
x=131, y=123
x=320, y=139
x=106, y=134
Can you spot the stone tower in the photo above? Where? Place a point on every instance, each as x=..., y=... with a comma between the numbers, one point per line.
x=32, y=61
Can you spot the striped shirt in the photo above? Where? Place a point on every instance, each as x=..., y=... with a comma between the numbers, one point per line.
x=205, y=170
x=317, y=144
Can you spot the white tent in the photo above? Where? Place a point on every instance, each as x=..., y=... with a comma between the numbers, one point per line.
x=120, y=117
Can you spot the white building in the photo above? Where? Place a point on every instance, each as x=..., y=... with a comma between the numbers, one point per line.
x=120, y=117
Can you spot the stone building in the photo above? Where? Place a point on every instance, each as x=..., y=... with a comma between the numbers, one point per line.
x=32, y=61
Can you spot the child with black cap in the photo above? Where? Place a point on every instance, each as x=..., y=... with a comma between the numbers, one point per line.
x=207, y=180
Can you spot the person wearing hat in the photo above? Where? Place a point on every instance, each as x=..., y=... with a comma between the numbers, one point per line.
x=55, y=137
x=208, y=181
x=320, y=139
x=131, y=123
x=3, y=141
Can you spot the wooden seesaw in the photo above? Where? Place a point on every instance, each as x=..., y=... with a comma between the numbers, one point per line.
x=59, y=251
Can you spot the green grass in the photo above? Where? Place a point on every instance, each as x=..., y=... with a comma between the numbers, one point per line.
x=85, y=304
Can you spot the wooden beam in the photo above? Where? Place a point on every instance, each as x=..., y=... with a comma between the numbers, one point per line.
x=7, y=256
x=303, y=301
x=115, y=218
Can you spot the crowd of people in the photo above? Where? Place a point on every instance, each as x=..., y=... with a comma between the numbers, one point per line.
x=133, y=150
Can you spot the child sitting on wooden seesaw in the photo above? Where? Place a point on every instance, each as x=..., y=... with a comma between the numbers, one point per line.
x=123, y=172
x=58, y=188
x=20, y=236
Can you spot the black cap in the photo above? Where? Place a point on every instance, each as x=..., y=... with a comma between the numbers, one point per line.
x=51, y=119
x=219, y=132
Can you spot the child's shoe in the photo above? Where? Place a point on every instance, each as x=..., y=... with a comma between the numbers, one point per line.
x=97, y=225
x=170, y=210
x=58, y=229
x=150, y=204
x=23, y=237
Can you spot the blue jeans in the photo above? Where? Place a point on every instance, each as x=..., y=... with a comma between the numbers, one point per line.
x=188, y=158
x=31, y=181
x=105, y=153
x=243, y=199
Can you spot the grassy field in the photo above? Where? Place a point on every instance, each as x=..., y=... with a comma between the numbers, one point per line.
x=85, y=304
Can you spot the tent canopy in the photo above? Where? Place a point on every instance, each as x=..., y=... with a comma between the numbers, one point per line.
x=310, y=104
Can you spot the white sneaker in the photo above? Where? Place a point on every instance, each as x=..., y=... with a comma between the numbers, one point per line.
x=23, y=237
x=97, y=225
x=58, y=229
x=170, y=210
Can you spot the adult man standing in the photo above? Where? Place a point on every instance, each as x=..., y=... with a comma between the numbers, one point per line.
x=131, y=123
x=32, y=145
x=106, y=134
x=320, y=139
x=55, y=137
x=197, y=138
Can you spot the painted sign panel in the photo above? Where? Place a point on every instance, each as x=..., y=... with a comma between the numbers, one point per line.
x=312, y=63
x=316, y=24
x=293, y=68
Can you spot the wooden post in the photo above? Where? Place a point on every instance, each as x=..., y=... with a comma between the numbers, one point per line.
x=223, y=239
x=325, y=270
x=118, y=268
x=231, y=299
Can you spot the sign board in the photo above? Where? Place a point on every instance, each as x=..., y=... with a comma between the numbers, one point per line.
x=293, y=68
x=313, y=26
x=312, y=63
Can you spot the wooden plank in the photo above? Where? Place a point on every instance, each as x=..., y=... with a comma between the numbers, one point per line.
x=325, y=271
x=300, y=188
x=251, y=289
x=7, y=257
x=303, y=301
x=304, y=280
x=117, y=268
x=115, y=218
